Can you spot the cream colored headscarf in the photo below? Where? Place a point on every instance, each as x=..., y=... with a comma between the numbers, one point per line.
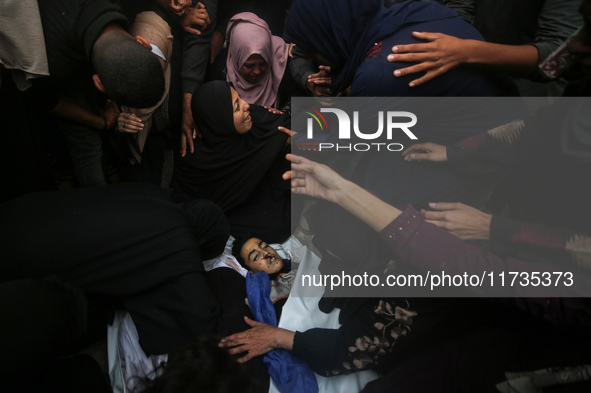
x=157, y=32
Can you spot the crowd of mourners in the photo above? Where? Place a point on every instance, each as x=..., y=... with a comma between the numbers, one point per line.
x=142, y=138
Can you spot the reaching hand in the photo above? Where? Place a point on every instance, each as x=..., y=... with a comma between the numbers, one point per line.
x=313, y=179
x=426, y=151
x=273, y=110
x=436, y=57
x=129, y=122
x=289, y=133
x=192, y=17
x=460, y=220
x=111, y=113
x=258, y=340
x=319, y=83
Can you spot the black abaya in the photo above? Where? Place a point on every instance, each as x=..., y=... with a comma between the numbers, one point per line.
x=239, y=172
x=127, y=241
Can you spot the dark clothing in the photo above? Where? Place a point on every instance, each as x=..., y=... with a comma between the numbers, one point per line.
x=544, y=24
x=130, y=242
x=195, y=58
x=271, y=11
x=547, y=229
x=239, y=172
x=300, y=67
x=70, y=29
x=545, y=188
x=375, y=334
x=357, y=37
x=23, y=158
x=43, y=319
x=230, y=290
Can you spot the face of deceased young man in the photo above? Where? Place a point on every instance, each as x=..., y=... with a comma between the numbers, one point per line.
x=260, y=256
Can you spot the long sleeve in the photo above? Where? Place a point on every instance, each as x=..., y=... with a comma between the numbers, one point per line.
x=428, y=247
x=300, y=68
x=465, y=8
x=517, y=237
x=306, y=344
x=488, y=153
x=557, y=21
x=370, y=336
x=196, y=52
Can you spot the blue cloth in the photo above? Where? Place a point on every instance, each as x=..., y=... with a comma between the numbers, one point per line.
x=290, y=374
x=345, y=31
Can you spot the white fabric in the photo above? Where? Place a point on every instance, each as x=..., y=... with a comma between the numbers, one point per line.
x=157, y=51
x=114, y=363
x=224, y=260
x=128, y=363
x=302, y=313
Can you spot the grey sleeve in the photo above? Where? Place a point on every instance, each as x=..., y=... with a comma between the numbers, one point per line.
x=557, y=21
x=465, y=8
x=300, y=67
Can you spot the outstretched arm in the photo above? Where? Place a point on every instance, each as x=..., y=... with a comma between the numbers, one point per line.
x=320, y=181
x=317, y=180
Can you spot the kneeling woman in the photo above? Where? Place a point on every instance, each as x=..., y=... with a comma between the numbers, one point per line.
x=238, y=162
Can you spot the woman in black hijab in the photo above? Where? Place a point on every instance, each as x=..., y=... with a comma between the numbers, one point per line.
x=238, y=162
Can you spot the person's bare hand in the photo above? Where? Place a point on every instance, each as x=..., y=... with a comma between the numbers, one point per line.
x=426, y=152
x=216, y=45
x=289, y=51
x=319, y=83
x=110, y=112
x=436, y=57
x=289, y=133
x=258, y=340
x=195, y=19
x=189, y=130
x=460, y=220
x=313, y=179
x=273, y=110
x=177, y=6
x=129, y=122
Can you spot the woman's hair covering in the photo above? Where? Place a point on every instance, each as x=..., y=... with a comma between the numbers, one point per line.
x=213, y=112
x=227, y=167
x=248, y=35
x=343, y=31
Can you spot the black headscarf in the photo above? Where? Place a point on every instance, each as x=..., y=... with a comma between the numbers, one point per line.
x=227, y=167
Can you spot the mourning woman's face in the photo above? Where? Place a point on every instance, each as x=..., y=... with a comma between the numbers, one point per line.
x=254, y=68
x=242, y=119
x=259, y=256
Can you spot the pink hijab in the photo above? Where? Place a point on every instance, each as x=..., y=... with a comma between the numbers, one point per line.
x=248, y=34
